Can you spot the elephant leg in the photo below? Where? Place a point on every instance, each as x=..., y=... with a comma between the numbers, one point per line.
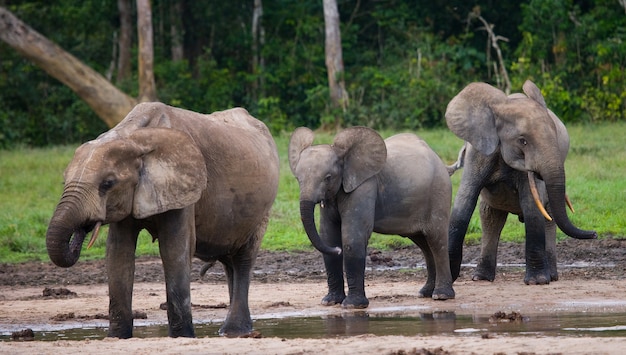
x=238, y=268
x=354, y=264
x=120, y=263
x=537, y=268
x=476, y=171
x=177, y=245
x=492, y=222
x=355, y=235
x=238, y=321
x=330, y=233
x=551, y=249
x=429, y=286
x=439, y=282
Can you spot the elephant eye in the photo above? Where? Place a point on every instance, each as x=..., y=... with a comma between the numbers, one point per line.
x=106, y=185
x=523, y=141
x=327, y=178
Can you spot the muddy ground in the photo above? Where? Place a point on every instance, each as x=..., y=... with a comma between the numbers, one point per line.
x=592, y=279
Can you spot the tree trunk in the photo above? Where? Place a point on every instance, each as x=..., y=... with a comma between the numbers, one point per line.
x=109, y=103
x=124, y=41
x=147, y=86
x=258, y=40
x=176, y=30
x=334, y=56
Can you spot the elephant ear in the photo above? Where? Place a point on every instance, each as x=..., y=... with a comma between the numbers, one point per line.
x=532, y=91
x=301, y=139
x=562, y=136
x=363, y=152
x=173, y=172
x=469, y=115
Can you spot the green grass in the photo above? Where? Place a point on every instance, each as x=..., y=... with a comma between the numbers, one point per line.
x=31, y=184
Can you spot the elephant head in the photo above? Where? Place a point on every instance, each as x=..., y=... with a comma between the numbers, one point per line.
x=139, y=174
x=529, y=137
x=357, y=153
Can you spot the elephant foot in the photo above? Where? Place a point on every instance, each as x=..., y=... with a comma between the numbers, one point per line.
x=484, y=272
x=234, y=331
x=554, y=275
x=332, y=299
x=537, y=278
x=439, y=294
x=443, y=294
x=482, y=277
x=355, y=302
x=426, y=291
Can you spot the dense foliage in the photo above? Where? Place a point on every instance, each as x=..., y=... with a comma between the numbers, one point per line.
x=404, y=60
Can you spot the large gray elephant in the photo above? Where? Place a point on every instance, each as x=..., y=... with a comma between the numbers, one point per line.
x=514, y=159
x=202, y=185
x=365, y=184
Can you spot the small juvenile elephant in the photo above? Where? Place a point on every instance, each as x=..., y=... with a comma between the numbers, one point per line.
x=200, y=184
x=513, y=158
x=364, y=184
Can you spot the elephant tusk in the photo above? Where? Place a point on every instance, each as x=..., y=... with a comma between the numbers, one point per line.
x=533, y=191
x=569, y=203
x=94, y=235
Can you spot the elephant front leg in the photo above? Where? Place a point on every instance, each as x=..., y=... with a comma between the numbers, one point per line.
x=492, y=222
x=551, y=250
x=354, y=264
x=537, y=267
x=330, y=232
x=334, y=277
x=176, y=245
x=120, y=263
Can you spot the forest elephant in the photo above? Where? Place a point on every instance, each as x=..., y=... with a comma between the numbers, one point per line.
x=513, y=158
x=202, y=185
x=365, y=184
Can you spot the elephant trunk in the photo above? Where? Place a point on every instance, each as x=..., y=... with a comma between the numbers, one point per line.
x=64, y=239
x=307, y=211
x=555, y=187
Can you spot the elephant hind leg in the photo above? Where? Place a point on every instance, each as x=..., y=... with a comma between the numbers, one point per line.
x=492, y=222
x=439, y=282
x=238, y=267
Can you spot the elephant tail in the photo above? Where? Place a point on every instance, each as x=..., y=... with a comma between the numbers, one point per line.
x=460, y=161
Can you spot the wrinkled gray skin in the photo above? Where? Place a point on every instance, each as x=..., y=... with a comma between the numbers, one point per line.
x=506, y=138
x=202, y=185
x=364, y=184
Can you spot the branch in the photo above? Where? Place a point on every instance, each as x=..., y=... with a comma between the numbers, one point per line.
x=108, y=102
x=475, y=14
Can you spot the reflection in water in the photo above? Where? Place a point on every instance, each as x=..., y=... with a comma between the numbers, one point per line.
x=354, y=323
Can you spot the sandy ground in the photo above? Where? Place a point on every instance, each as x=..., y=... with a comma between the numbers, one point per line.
x=284, y=290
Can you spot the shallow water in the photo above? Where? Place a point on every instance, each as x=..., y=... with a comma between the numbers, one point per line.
x=358, y=323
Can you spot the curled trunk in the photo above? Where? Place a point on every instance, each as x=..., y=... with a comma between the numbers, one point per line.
x=63, y=249
x=557, y=198
x=307, y=209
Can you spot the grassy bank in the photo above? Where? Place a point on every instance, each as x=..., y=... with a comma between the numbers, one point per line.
x=31, y=184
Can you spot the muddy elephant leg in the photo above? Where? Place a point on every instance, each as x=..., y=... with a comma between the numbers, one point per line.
x=462, y=210
x=435, y=249
x=429, y=286
x=177, y=245
x=537, y=269
x=120, y=263
x=331, y=235
x=238, y=321
x=354, y=264
x=355, y=237
x=551, y=249
x=238, y=268
x=492, y=222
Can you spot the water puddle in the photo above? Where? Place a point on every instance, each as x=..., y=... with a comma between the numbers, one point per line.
x=380, y=324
